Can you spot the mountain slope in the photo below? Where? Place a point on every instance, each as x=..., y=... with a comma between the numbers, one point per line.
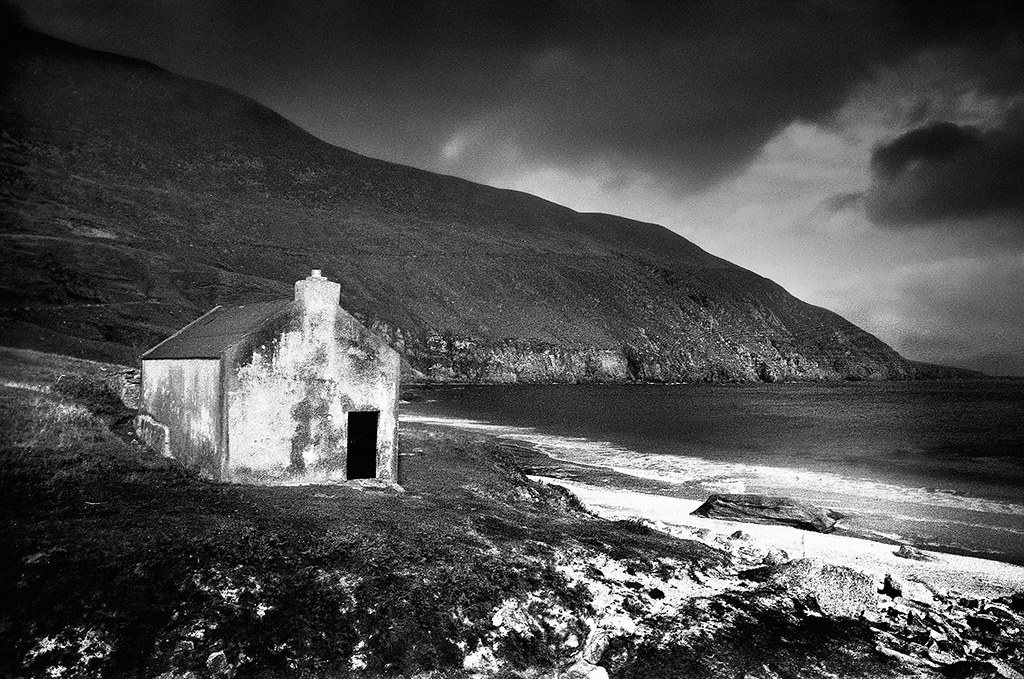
x=133, y=200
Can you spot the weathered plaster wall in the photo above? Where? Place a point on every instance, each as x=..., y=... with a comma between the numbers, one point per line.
x=289, y=394
x=375, y=368
x=184, y=396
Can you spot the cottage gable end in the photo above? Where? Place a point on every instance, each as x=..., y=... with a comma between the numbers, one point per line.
x=304, y=392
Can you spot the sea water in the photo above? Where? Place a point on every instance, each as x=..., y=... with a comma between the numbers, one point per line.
x=939, y=465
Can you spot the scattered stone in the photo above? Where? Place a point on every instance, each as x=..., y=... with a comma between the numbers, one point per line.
x=1004, y=669
x=937, y=592
x=899, y=611
x=184, y=647
x=585, y=670
x=999, y=611
x=758, y=574
x=739, y=535
x=514, y=615
x=217, y=662
x=597, y=643
x=941, y=657
x=838, y=590
x=912, y=553
x=917, y=592
x=969, y=669
x=775, y=557
x=918, y=650
x=903, y=657
x=966, y=637
x=619, y=625
x=754, y=508
x=891, y=587
x=481, y=662
x=984, y=624
x=954, y=648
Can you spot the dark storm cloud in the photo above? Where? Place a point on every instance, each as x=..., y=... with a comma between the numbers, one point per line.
x=944, y=173
x=686, y=91
x=933, y=143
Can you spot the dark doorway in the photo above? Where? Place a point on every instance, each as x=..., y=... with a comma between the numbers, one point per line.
x=362, y=444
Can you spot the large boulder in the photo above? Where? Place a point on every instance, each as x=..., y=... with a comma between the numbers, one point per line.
x=767, y=509
x=838, y=590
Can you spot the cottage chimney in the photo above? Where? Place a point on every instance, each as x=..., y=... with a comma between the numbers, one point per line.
x=317, y=294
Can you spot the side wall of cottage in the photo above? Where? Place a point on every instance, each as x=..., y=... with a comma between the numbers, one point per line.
x=180, y=412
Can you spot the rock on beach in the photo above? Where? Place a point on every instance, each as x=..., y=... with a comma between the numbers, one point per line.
x=767, y=509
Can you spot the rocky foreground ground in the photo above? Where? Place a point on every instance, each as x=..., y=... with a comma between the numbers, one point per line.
x=117, y=562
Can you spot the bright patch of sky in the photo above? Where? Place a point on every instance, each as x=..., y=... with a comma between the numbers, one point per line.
x=795, y=215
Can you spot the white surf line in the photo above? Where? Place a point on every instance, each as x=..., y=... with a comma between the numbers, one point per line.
x=716, y=475
x=966, y=575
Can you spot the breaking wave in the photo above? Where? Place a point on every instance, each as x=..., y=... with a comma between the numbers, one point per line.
x=722, y=476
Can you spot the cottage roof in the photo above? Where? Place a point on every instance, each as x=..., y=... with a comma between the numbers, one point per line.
x=212, y=333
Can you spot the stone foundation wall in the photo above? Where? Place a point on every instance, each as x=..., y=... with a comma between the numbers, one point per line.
x=153, y=434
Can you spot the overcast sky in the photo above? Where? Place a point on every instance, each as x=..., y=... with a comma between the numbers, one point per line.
x=867, y=156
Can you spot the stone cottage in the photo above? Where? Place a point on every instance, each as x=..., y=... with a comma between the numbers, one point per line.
x=282, y=391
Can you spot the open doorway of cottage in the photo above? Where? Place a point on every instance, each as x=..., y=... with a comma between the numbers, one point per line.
x=362, y=444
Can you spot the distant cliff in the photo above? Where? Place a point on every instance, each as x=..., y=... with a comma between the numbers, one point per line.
x=133, y=200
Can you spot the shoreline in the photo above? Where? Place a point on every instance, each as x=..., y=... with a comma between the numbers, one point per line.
x=600, y=490
x=876, y=518
x=949, y=573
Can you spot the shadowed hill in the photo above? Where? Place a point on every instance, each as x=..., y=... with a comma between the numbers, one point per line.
x=132, y=200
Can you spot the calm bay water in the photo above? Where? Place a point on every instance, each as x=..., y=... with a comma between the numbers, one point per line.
x=935, y=464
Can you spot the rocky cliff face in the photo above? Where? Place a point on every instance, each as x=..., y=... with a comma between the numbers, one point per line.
x=134, y=200
x=441, y=357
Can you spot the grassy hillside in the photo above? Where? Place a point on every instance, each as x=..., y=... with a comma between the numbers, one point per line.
x=132, y=200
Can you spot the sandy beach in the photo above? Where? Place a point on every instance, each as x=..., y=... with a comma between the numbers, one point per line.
x=967, y=576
